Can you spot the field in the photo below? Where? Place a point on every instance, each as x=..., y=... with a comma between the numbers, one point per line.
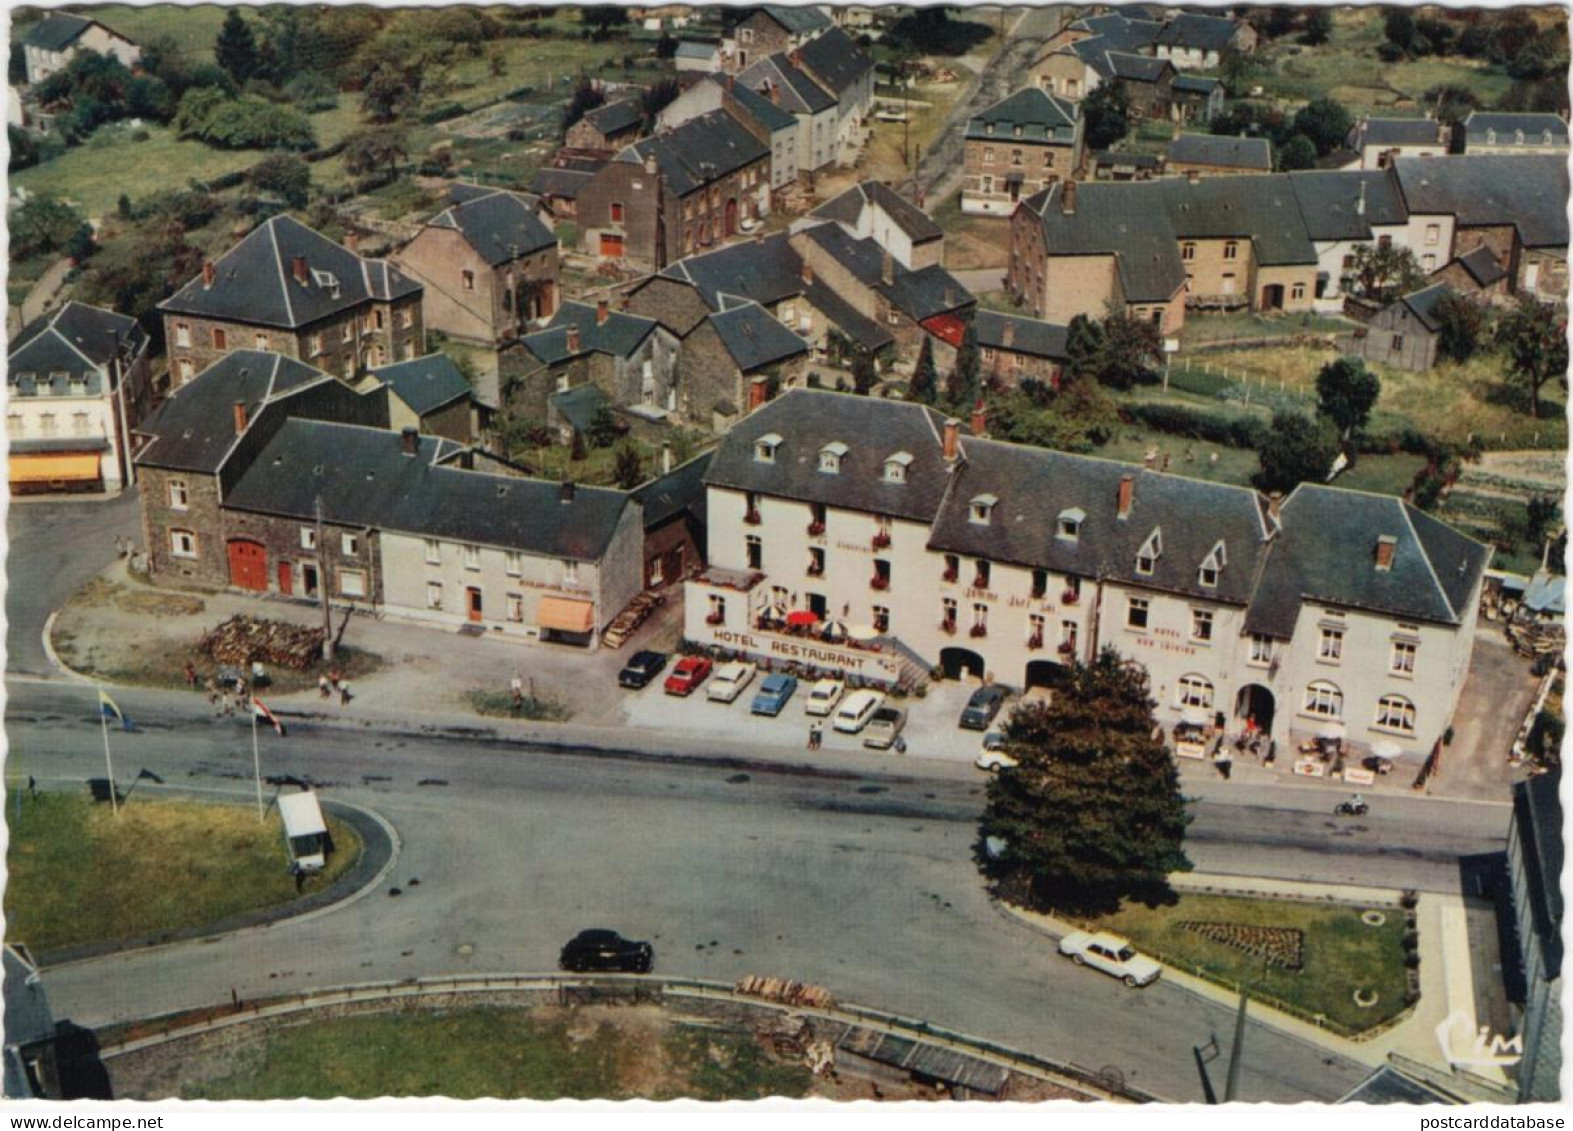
x=77, y=874
x=193, y=28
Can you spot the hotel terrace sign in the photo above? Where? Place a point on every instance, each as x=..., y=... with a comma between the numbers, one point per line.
x=815, y=653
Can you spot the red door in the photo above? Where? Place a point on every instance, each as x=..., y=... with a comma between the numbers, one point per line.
x=248, y=565
x=286, y=579
x=474, y=603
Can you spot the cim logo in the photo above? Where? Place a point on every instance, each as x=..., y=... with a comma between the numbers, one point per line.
x=1462, y=1044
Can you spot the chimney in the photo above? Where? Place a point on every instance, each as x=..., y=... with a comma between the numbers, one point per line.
x=601, y=312
x=666, y=457
x=352, y=241
x=1008, y=334
x=1068, y=198
x=209, y=274
x=297, y=266
x=887, y=268
x=240, y=417
x=807, y=273
x=1127, y=490
x=1386, y=547
x=410, y=441
x=758, y=393
x=649, y=164
x=775, y=94
x=573, y=339
x=980, y=419
x=952, y=444
x=1360, y=204
x=796, y=57
x=565, y=492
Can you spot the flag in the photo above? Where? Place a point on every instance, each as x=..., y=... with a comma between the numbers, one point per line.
x=259, y=709
x=111, y=710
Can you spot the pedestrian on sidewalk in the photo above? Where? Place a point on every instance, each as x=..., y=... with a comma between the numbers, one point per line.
x=191, y=674
x=324, y=688
x=815, y=735
x=344, y=693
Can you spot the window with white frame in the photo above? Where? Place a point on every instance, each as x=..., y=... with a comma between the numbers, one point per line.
x=14, y=426
x=830, y=457
x=881, y=618
x=1212, y=566
x=179, y=495
x=896, y=467
x=754, y=548
x=182, y=544
x=1147, y=556
x=513, y=563
x=1261, y=649
x=433, y=552
x=1201, y=624
x=1194, y=691
x=261, y=341
x=515, y=602
x=1330, y=648
x=472, y=557
x=765, y=448
x=434, y=594
x=1403, y=659
x=352, y=583
x=1394, y=712
x=308, y=537
x=570, y=573
x=182, y=335
x=1324, y=700
x=349, y=545
x=1136, y=612
x=1070, y=521
x=982, y=508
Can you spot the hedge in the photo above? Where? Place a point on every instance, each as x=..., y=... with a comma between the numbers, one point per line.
x=1218, y=428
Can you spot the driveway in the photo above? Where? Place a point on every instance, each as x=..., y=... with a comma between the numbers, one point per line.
x=1497, y=693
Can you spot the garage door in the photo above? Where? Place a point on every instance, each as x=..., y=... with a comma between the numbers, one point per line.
x=248, y=565
x=611, y=246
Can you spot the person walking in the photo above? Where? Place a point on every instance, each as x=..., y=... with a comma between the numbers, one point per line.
x=324, y=688
x=344, y=693
x=191, y=674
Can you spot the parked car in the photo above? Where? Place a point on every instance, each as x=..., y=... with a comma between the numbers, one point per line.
x=729, y=681
x=884, y=729
x=773, y=694
x=992, y=756
x=824, y=695
x=982, y=707
x=642, y=668
x=689, y=673
x=606, y=950
x=856, y=710
x=1111, y=954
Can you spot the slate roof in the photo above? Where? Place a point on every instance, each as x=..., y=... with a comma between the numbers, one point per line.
x=847, y=208
x=1422, y=304
x=1395, y=131
x=620, y=335
x=1134, y=68
x=1434, y=570
x=1330, y=202
x=1203, y=33
x=680, y=490
x=364, y=479
x=799, y=94
x=615, y=118
x=873, y=430
x=1041, y=116
x=1194, y=84
x=500, y=226
x=835, y=61
x=797, y=20
x=425, y=383
x=688, y=49
x=760, y=108
x=1530, y=192
x=255, y=283
x=848, y=319
x=579, y=407
x=1120, y=157
x=1480, y=124
x=194, y=428
x=1228, y=152
x=1537, y=813
x=1030, y=336
x=74, y=341
x=57, y=31
x=917, y=294
x=1120, y=33
x=699, y=151
x=564, y=183
x=765, y=270
x=754, y=337
x=1482, y=266
x=1128, y=221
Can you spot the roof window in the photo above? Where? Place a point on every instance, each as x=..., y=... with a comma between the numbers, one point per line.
x=1069, y=524
x=830, y=457
x=1147, y=557
x=981, y=509
x=896, y=467
x=1212, y=566
x=765, y=448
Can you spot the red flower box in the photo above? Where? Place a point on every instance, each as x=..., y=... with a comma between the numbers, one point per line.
x=979, y=630
x=714, y=618
x=1069, y=597
x=948, y=627
x=815, y=529
x=951, y=575
x=1035, y=642
x=752, y=518
x=878, y=582
x=881, y=540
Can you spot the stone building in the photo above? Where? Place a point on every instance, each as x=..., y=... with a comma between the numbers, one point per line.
x=1211, y=156
x=431, y=395
x=873, y=210
x=1193, y=41
x=1379, y=141
x=771, y=30
x=1018, y=147
x=285, y=288
x=609, y=127
x=78, y=383
x=1013, y=349
x=1493, y=133
x=674, y=521
x=767, y=120
x=733, y=360
x=50, y=44
x=488, y=266
x=632, y=360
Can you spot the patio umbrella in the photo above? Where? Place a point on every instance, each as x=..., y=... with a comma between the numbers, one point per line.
x=1194, y=716
x=1388, y=749
x=775, y=612
x=835, y=628
x=802, y=618
x=863, y=632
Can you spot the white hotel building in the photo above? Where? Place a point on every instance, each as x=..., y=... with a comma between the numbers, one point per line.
x=1002, y=561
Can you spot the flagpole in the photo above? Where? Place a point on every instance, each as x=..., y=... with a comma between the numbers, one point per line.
x=103, y=722
x=256, y=761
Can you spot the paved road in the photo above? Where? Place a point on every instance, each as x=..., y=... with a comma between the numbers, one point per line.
x=861, y=882
x=55, y=547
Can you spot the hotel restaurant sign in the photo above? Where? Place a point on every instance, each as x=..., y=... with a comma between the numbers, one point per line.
x=782, y=649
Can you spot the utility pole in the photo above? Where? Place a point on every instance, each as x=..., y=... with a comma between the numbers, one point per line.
x=128, y=473
x=1232, y=1082
x=322, y=584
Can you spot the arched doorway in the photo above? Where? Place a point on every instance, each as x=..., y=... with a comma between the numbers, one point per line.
x=957, y=662
x=248, y=565
x=1273, y=296
x=1255, y=702
x=1043, y=673
x=731, y=216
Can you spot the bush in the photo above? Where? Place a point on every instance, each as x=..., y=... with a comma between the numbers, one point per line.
x=443, y=113
x=1390, y=53
x=1234, y=431
x=311, y=93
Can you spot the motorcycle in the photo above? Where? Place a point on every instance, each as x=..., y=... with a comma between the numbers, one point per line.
x=1351, y=809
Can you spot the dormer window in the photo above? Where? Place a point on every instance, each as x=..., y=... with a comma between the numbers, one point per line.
x=896, y=467
x=1147, y=556
x=765, y=448
x=830, y=457
x=1212, y=566
x=988, y=128
x=981, y=509
x=1069, y=527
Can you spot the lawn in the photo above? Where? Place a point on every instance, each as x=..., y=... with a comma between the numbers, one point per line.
x=538, y=708
x=972, y=243
x=1341, y=954
x=79, y=874
x=194, y=27
x=1202, y=329
x=503, y=1053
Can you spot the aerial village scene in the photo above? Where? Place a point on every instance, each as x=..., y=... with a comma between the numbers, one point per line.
x=799, y=552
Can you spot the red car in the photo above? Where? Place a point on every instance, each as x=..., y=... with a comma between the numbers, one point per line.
x=687, y=675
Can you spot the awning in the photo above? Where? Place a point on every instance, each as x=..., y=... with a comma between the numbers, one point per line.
x=73, y=467
x=564, y=614
x=946, y=327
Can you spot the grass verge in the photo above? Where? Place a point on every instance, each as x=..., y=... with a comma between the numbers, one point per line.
x=79, y=875
x=537, y=708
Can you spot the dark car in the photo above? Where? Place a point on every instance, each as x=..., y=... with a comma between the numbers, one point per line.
x=606, y=950
x=982, y=707
x=642, y=668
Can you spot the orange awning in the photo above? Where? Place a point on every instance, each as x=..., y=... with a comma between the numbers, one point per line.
x=564, y=614
x=48, y=467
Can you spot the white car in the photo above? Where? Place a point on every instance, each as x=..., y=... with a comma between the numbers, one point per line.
x=856, y=710
x=1111, y=954
x=992, y=756
x=728, y=682
x=824, y=695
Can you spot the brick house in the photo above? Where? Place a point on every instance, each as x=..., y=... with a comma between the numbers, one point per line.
x=767, y=120
x=1018, y=147
x=431, y=395
x=1211, y=156
x=632, y=360
x=287, y=289
x=1012, y=349
x=487, y=265
x=1476, y=272
x=609, y=127
x=672, y=194
x=770, y=30
x=674, y=521
x=733, y=360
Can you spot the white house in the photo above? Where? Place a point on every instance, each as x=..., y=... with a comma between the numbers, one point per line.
x=49, y=45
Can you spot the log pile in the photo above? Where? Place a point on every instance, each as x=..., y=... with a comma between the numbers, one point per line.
x=243, y=639
x=785, y=991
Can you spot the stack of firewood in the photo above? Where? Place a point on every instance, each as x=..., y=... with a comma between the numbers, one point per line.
x=244, y=639
x=786, y=991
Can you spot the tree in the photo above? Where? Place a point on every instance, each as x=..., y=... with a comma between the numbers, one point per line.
x=925, y=380
x=1092, y=814
x=1325, y=122
x=604, y=17
x=577, y=452
x=666, y=46
x=1298, y=154
x=657, y=97
x=285, y=175
x=236, y=48
x=1083, y=349
x=1346, y=392
x=1296, y=449
x=604, y=429
x=381, y=147
x=1534, y=336
x=961, y=387
x=1386, y=269
x=44, y=223
x=1461, y=326
x=1107, y=111
x=249, y=122
x=865, y=374
x=388, y=96
x=1318, y=27
x=1541, y=514
x=16, y=65
x=149, y=97
x=1132, y=350
x=24, y=148
x=586, y=97
x=1399, y=27
x=628, y=469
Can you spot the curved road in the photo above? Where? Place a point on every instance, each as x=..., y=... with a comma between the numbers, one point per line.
x=861, y=882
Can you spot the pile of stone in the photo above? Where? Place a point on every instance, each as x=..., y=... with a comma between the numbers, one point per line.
x=785, y=991
x=246, y=639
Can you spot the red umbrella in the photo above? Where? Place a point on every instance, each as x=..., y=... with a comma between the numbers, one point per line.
x=802, y=618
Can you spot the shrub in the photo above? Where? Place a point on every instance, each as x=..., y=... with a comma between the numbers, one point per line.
x=1197, y=424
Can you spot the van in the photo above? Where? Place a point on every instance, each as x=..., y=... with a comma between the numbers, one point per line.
x=305, y=831
x=856, y=710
